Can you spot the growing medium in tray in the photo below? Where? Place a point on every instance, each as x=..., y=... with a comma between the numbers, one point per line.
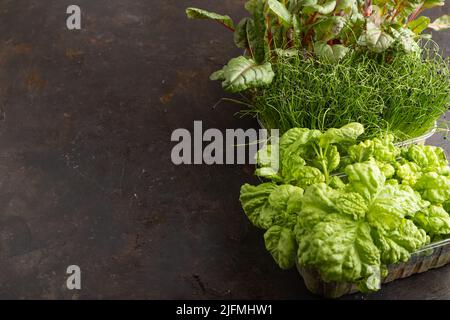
x=321, y=64
x=389, y=203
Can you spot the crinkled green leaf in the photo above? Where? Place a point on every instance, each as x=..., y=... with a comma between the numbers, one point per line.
x=308, y=176
x=386, y=169
x=409, y=173
x=365, y=178
x=443, y=171
x=254, y=198
x=391, y=252
x=290, y=166
x=281, y=244
x=267, y=155
x=268, y=173
x=342, y=250
x=242, y=73
x=298, y=141
x=317, y=202
x=291, y=162
x=267, y=159
x=381, y=148
x=434, y=187
x=434, y=220
x=294, y=203
x=384, y=148
x=268, y=204
x=345, y=134
x=280, y=197
x=391, y=204
x=281, y=208
x=351, y=204
x=336, y=183
x=195, y=13
x=270, y=216
x=396, y=245
x=361, y=152
x=392, y=182
x=330, y=159
x=295, y=144
x=429, y=158
x=302, y=176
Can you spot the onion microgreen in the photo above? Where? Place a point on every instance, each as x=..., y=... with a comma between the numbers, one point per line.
x=404, y=95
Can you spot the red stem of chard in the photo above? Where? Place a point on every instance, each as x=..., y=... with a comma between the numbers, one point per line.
x=368, y=8
x=228, y=27
x=415, y=13
x=311, y=30
x=269, y=33
x=397, y=11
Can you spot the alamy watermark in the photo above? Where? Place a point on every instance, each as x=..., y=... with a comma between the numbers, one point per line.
x=73, y=22
x=73, y=281
x=213, y=146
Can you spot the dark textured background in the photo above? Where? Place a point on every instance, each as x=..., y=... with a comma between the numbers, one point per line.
x=85, y=170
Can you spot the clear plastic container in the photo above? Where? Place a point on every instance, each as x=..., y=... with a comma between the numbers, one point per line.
x=432, y=256
x=419, y=140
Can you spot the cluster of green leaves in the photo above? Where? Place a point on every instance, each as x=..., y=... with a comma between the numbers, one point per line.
x=328, y=29
x=404, y=95
x=390, y=202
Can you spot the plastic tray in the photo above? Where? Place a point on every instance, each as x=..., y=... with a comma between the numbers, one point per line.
x=431, y=256
x=419, y=140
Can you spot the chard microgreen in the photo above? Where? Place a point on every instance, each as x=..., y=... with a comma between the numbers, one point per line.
x=327, y=29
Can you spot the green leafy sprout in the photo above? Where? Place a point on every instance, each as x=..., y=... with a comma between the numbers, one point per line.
x=403, y=96
x=391, y=202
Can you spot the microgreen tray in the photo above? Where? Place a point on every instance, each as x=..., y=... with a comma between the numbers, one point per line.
x=431, y=256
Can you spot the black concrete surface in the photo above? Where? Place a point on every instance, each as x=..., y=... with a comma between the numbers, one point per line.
x=85, y=172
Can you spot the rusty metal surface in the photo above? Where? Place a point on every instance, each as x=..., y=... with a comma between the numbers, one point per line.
x=85, y=171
